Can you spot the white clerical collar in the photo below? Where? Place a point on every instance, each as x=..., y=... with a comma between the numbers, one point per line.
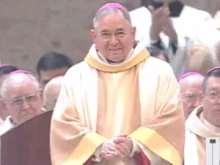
x=9, y=118
x=104, y=60
x=8, y=124
x=211, y=126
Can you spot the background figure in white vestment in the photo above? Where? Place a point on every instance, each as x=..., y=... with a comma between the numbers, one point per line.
x=172, y=26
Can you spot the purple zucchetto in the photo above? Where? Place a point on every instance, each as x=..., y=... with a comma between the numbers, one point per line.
x=188, y=74
x=4, y=65
x=112, y=5
x=213, y=69
x=20, y=72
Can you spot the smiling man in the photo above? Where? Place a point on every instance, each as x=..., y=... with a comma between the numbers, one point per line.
x=120, y=106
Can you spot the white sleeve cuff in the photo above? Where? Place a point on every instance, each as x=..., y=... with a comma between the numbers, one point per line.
x=135, y=149
x=96, y=156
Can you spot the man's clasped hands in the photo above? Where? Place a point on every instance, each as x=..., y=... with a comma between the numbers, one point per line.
x=117, y=148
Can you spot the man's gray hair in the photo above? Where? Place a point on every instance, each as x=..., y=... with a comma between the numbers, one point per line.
x=12, y=77
x=107, y=11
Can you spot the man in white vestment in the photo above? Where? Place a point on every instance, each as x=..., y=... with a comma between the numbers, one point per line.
x=173, y=27
x=20, y=92
x=204, y=121
x=120, y=106
x=190, y=87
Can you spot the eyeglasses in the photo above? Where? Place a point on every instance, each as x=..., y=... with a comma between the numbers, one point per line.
x=19, y=101
x=215, y=96
x=192, y=98
x=106, y=36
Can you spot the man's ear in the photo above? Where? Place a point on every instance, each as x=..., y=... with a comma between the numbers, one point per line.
x=93, y=35
x=41, y=92
x=133, y=31
x=202, y=95
x=2, y=104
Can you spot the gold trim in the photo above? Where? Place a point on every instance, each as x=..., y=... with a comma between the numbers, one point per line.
x=157, y=144
x=87, y=146
x=143, y=55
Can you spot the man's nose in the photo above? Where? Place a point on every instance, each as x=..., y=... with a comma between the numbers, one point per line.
x=26, y=105
x=197, y=102
x=113, y=40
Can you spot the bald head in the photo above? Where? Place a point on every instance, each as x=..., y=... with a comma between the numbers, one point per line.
x=51, y=92
x=191, y=87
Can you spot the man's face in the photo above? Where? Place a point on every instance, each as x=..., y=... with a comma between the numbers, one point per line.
x=50, y=98
x=23, y=100
x=191, y=93
x=211, y=101
x=46, y=76
x=114, y=37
